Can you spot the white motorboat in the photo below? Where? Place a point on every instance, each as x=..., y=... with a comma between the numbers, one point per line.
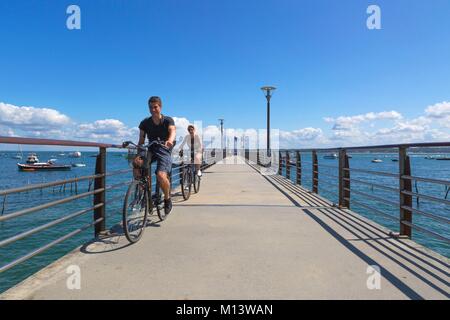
x=75, y=154
x=32, y=158
x=78, y=165
x=330, y=156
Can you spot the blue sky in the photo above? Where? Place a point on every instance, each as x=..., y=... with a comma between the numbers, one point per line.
x=207, y=59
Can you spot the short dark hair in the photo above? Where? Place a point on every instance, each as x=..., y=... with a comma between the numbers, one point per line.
x=155, y=99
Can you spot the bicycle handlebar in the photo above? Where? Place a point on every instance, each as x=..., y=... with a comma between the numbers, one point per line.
x=145, y=146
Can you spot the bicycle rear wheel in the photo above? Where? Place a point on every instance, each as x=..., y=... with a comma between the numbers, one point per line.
x=135, y=211
x=186, y=184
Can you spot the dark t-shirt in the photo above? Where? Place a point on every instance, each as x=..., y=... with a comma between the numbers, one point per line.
x=154, y=131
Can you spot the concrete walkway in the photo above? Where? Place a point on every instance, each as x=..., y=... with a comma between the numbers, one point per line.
x=248, y=236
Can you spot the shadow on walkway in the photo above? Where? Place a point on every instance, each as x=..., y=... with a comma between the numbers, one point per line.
x=417, y=262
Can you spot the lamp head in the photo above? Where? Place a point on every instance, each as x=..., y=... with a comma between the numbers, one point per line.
x=268, y=90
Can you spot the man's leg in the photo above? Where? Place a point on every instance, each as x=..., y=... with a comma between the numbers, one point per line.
x=198, y=161
x=164, y=183
x=164, y=166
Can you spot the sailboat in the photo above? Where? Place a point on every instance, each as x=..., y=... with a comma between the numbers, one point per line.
x=19, y=155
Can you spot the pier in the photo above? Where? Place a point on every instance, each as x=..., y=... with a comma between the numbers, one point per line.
x=248, y=235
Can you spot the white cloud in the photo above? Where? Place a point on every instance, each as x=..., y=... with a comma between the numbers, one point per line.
x=102, y=127
x=363, y=129
x=181, y=124
x=305, y=133
x=347, y=122
x=433, y=125
x=31, y=118
x=302, y=138
x=5, y=131
x=109, y=129
x=436, y=135
x=439, y=110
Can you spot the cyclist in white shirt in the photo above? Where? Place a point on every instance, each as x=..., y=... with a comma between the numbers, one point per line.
x=194, y=139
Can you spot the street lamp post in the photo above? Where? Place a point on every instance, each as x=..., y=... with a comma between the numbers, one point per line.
x=221, y=133
x=268, y=91
x=221, y=138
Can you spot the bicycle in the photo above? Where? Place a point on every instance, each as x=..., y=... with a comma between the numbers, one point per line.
x=189, y=178
x=137, y=206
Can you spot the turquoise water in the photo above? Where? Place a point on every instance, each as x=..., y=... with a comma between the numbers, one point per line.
x=10, y=177
x=420, y=167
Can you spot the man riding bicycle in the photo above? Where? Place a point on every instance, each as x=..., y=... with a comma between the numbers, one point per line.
x=160, y=127
x=194, y=142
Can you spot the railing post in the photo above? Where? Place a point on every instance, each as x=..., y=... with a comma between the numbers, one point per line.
x=280, y=163
x=298, y=165
x=315, y=173
x=288, y=166
x=344, y=179
x=347, y=192
x=405, y=185
x=100, y=168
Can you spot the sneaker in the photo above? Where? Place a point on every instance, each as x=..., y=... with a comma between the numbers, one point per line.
x=167, y=206
x=199, y=173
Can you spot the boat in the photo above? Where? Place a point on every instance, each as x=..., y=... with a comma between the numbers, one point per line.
x=75, y=154
x=61, y=154
x=42, y=166
x=78, y=165
x=32, y=158
x=19, y=154
x=377, y=160
x=442, y=158
x=394, y=160
x=330, y=156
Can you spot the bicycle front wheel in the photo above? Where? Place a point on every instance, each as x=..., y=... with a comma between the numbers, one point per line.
x=196, y=183
x=135, y=211
x=158, y=202
x=186, y=184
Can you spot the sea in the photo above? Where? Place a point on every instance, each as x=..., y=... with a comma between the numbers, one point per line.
x=11, y=177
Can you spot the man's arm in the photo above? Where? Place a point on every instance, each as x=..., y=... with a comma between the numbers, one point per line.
x=141, y=137
x=200, y=142
x=172, y=135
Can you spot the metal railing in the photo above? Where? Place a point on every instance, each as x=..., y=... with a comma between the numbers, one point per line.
x=343, y=181
x=99, y=202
